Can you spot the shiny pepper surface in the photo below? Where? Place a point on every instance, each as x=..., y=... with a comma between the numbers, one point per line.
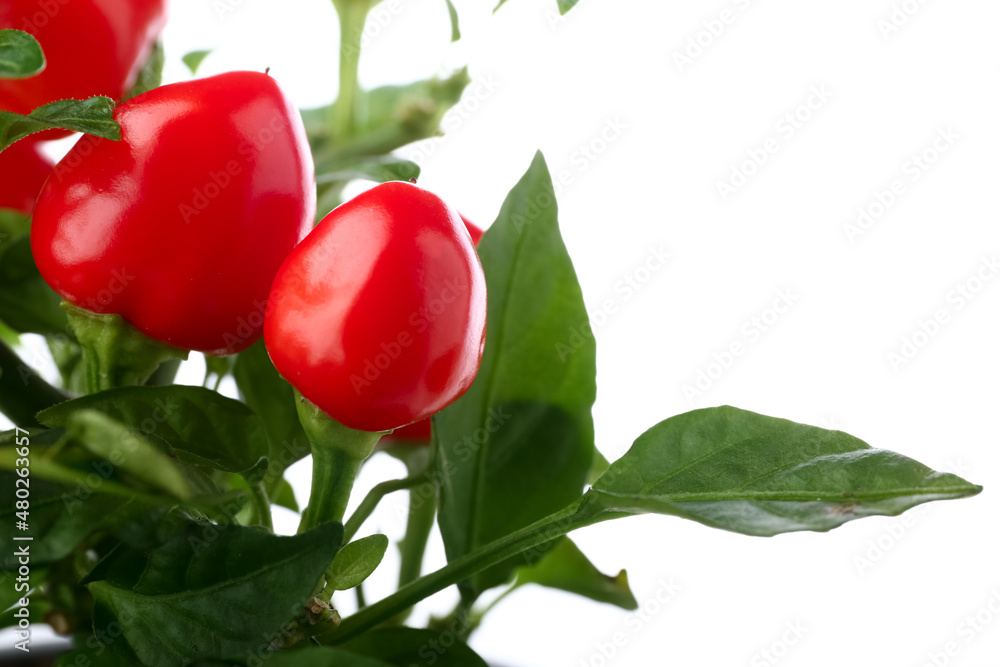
x=181, y=226
x=379, y=316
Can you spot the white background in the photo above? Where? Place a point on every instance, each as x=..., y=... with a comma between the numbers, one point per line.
x=874, y=592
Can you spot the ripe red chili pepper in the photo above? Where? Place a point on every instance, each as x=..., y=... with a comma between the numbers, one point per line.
x=23, y=170
x=92, y=47
x=181, y=226
x=379, y=316
x=418, y=434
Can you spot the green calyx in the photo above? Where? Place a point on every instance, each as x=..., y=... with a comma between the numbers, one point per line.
x=116, y=354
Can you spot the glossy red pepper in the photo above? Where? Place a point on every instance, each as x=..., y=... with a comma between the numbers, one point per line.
x=181, y=226
x=418, y=434
x=23, y=170
x=379, y=316
x=92, y=47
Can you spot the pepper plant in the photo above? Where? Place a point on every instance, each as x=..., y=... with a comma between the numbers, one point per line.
x=141, y=509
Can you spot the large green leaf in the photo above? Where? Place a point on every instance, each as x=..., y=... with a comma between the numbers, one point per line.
x=20, y=55
x=214, y=591
x=91, y=116
x=200, y=425
x=517, y=446
x=748, y=473
x=566, y=568
x=405, y=647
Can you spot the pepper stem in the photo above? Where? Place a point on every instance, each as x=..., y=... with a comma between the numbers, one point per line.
x=352, y=15
x=338, y=453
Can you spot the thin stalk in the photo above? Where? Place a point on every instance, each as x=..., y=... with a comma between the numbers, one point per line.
x=352, y=15
x=371, y=501
x=575, y=516
x=261, y=504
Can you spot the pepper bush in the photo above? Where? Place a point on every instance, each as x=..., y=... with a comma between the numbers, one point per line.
x=393, y=323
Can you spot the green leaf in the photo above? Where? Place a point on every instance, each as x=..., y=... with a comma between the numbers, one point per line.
x=356, y=562
x=404, y=647
x=91, y=116
x=22, y=392
x=123, y=447
x=20, y=55
x=456, y=33
x=518, y=445
x=151, y=75
x=214, y=591
x=60, y=518
x=757, y=475
x=201, y=426
x=312, y=656
x=378, y=168
x=598, y=467
x=27, y=303
x=194, y=59
x=566, y=568
x=273, y=400
x=566, y=5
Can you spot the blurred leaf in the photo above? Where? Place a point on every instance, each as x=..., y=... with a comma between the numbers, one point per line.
x=311, y=656
x=748, y=473
x=405, y=647
x=214, y=591
x=20, y=55
x=194, y=59
x=151, y=75
x=201, y=426
x=379, y=169
x=566, y=568
x=598, y=467
x=517, y=446
x=27, y=303
x=456, y=34
x=92, y=116
x=356, y=562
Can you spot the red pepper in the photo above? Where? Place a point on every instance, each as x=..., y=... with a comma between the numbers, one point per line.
x=418, y=434
x=181, y=226
x=92, y=47
x=379, y=316
x=23, y=170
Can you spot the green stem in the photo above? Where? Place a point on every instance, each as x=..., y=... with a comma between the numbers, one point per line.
x=333, y=478
x=352, y=15
x=419, y=522
x=261, y=504
x=23, y=394
x=338, y=453
x=116, y=354
x=371, y=501
x=575, y=516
